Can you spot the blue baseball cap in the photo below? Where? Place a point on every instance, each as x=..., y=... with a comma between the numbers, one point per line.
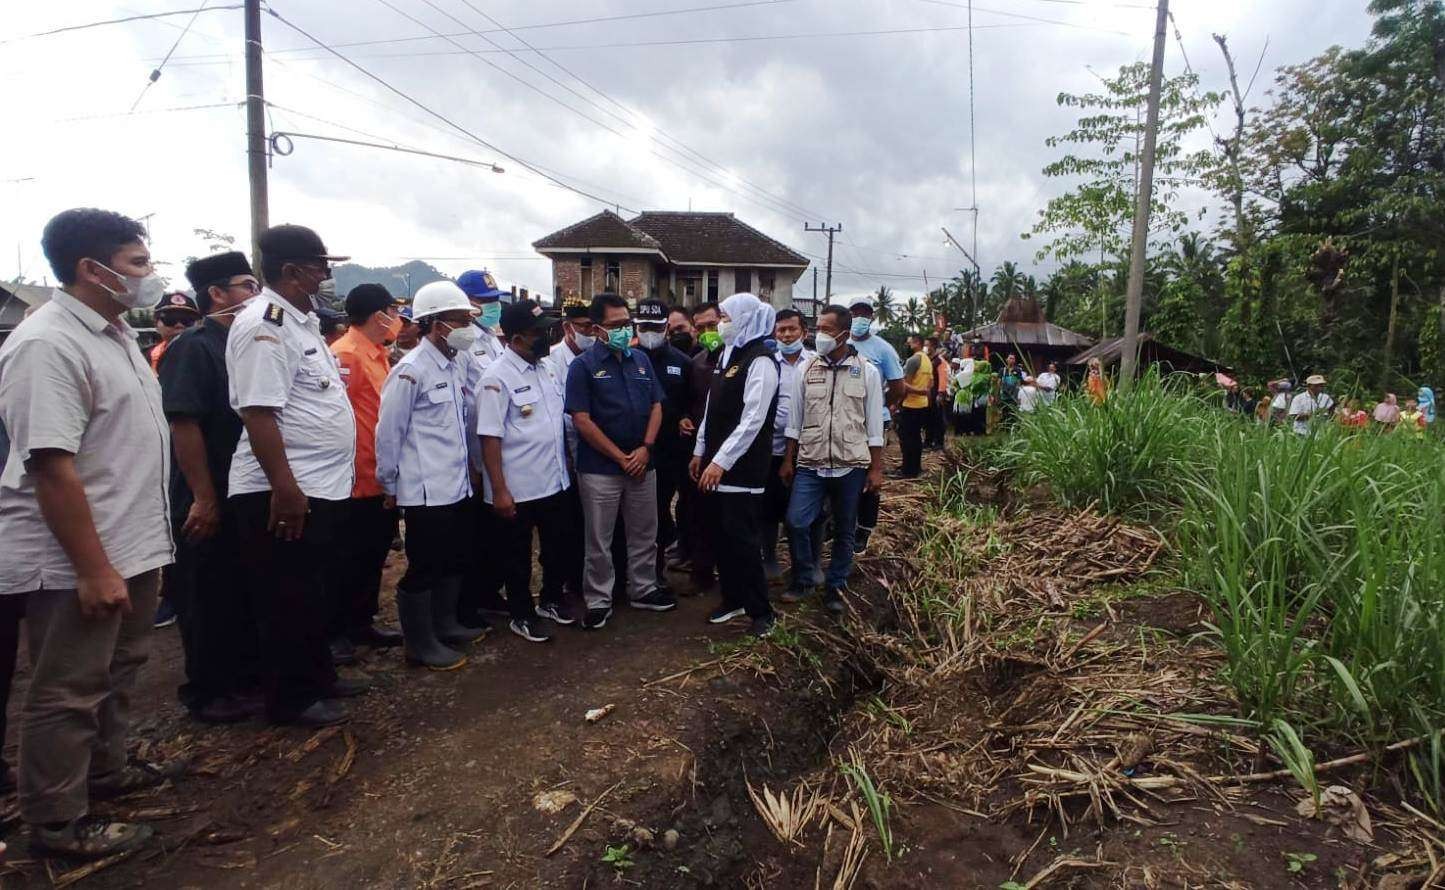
x=481, y=285
x=405, y=312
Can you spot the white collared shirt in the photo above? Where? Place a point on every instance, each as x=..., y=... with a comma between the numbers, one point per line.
x=558, y=359
x=422, y=430
x=1306, y=407
x=277, y=358
x=486, y=349
x=1048, y=384
x=787, y=382
x=72, y=381
x=521, y=404
x=759, y=388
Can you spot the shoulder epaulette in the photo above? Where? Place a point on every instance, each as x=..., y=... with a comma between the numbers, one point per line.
x=274, y=314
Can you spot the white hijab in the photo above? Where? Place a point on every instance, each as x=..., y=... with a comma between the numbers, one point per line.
x=751, y=319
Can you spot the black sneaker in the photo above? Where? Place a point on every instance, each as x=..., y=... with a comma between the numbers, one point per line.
x=833, y=601
x=553, y=613
x=795, y=594
x=763, y=626
x=165, y=614
x=860, y=540
x=89, y=837
x=596, y=619
x=724, y=614
x=343, y=651
x=530, y=630
x=659, y=600
x=347, y=687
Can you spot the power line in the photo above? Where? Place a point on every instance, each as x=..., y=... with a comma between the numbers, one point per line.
x=156, y=72
x=698, y=41
x=96, y=117
x=1030, y=18
x=773, y=204
x=120, y=21
x=288, y=135
x=684, y=147
x=438, y=115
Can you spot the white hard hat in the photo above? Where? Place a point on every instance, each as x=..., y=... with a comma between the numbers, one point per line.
x=439, y=296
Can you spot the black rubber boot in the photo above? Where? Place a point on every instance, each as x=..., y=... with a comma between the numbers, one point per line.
x=444, y=615
x=414, y=608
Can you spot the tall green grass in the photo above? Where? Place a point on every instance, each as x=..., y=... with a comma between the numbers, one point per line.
x=1322, y=556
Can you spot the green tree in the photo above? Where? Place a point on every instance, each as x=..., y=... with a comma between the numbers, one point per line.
x=883, y=306
x=1096, y=216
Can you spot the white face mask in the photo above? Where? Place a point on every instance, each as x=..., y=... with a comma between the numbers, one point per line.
x=825, y=343
x=326, y=291
x=583, y=342
x=462, y=338
x=727, y=331
x=146, y=290
x=651, y=339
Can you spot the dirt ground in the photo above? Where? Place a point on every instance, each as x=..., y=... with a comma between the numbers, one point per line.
x=490, y=776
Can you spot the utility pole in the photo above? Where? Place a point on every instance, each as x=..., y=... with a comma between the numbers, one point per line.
x=815, y=294
x=972, y=285
x=1129, y=353
x=831, y=230
x=256, y=132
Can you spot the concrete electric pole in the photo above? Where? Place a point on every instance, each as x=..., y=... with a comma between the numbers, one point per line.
x=1129, y=353
x=256, y=132
x=831, y=230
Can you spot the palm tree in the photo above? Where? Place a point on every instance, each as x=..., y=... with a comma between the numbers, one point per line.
x=1008, y=281
x=883, y=306
x=914, y=315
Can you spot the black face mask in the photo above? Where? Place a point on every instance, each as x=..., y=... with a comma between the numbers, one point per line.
x=682, y=342
x=540, y=346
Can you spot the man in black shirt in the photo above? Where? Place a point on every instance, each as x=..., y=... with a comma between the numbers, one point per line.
x=674, y=371
x=218, y=633
x=701, y=561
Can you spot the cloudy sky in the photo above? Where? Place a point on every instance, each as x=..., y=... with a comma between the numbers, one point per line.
x=782, y=111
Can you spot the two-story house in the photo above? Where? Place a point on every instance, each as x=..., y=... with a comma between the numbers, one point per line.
x=682, y=258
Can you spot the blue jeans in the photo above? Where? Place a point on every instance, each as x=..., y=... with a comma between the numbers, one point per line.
x=806, y=503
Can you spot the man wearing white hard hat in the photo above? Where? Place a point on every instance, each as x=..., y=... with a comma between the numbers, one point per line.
x=1312, y=404
x=423, y=464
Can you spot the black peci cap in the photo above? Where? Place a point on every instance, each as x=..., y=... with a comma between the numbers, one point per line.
x=218, y=269
x=177, y=302
x=525, y=315
x=365, y=299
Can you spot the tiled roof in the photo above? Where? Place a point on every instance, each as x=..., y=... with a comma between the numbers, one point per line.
x=606, y=229
x=1021, y=322
x=714, y=238
x=683, y=237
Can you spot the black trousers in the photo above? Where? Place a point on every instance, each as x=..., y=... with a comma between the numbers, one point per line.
x=12, y=609
x=287, y=585
x=938, y=421
x=482, y=576
x=551, y=518
x=439, y=544
x=733, y=519
x=363, y=541
x=701, y=540
x=911, y=423
x=219, y=637
x=671, y=469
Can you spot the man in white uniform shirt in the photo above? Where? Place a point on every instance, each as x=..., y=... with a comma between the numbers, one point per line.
x=1314, y=404
x=792, y=354
x=292, y=473
x=519, y=420
x=481, y=589
x=85, y=520
x=1049, y=383
x=423, y=463
x=579, y=334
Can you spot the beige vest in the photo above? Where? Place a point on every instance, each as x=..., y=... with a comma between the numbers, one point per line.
x=834, y=431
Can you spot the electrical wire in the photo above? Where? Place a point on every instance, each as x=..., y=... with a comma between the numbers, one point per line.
x=277, y=135
x=677, y=144
x=120, y=21
x=438, y=115
x=96, y=117
x=1030, y=18
x=768, y=203
x=156, y=72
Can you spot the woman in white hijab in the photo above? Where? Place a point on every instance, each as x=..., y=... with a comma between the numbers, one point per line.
x=733, y=457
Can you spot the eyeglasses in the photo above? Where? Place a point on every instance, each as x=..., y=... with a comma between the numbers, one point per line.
x=250, y=286
x=615, y=325
x=181, y=321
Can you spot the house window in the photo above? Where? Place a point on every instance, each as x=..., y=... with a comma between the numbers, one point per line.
x=557, y=295
x=712, y=286
x=689, y=284
x=744, y=279
x=614, y=276
x=767, y=280
x=586, y=278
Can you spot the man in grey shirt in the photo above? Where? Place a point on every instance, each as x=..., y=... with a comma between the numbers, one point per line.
x=83, y=513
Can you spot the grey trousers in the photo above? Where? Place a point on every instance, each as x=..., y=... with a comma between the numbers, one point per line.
x=76, y=714
x=602, y=497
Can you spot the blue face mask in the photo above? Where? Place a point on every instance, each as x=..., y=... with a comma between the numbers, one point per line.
x=862, y=326
x=620, y=339
x=491, y=315
x=792, y=348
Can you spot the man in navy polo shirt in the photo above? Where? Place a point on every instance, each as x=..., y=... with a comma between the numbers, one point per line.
x=615, y=401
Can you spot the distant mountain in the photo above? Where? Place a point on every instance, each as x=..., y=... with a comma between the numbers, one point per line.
x=401, y=281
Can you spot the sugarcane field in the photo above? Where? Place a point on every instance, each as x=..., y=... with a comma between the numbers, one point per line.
x=766, y=444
